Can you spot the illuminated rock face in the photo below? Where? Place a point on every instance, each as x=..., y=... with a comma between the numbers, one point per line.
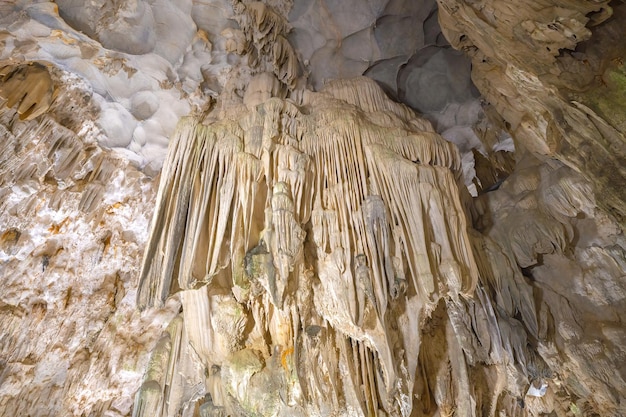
x=314, y=248
x=73, y=222
x=288, y=233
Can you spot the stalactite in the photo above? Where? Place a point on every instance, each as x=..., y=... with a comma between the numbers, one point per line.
x=29, y=86
x=311, y=250
x=363, y=214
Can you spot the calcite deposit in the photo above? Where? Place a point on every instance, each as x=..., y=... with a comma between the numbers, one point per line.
x=287, y=234
x=73, y=222
x=312, y=208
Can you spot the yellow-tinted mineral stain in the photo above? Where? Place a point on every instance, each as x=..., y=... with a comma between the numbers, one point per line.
x=284, y=356
x=56, y=228
x=111, y=208
x=10, y=236
x=62, y=36
x=203, y=35
x=106, y=242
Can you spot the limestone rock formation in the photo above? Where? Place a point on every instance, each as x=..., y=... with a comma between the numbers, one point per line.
x=286, y=231
x=73, y=222
x=308, y=246
x=556, y=76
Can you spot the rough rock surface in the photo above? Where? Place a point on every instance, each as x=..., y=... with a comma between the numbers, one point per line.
x=73, y=222
x=314, y=247
x=556, y=75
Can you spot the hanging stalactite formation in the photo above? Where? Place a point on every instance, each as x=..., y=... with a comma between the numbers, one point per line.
x=308, y=244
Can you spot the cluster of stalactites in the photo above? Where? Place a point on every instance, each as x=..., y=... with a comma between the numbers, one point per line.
x=277, y=159
x=335, y=202
x=262, y=37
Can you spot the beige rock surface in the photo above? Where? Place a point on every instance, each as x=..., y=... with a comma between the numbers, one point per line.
x=314, y=247
x=556, y=76
x=73, y=222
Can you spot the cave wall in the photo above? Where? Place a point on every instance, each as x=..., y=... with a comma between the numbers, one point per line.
x=315, y=248
x=552, y=70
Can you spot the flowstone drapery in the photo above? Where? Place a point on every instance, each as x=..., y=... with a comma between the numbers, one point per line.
x=308, y=242
x=311, y=248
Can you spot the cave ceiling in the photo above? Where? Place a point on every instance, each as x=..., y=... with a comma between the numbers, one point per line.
x=312, y=208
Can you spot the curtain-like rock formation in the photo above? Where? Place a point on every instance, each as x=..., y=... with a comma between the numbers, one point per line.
x=312, y=253
x=308, y=243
